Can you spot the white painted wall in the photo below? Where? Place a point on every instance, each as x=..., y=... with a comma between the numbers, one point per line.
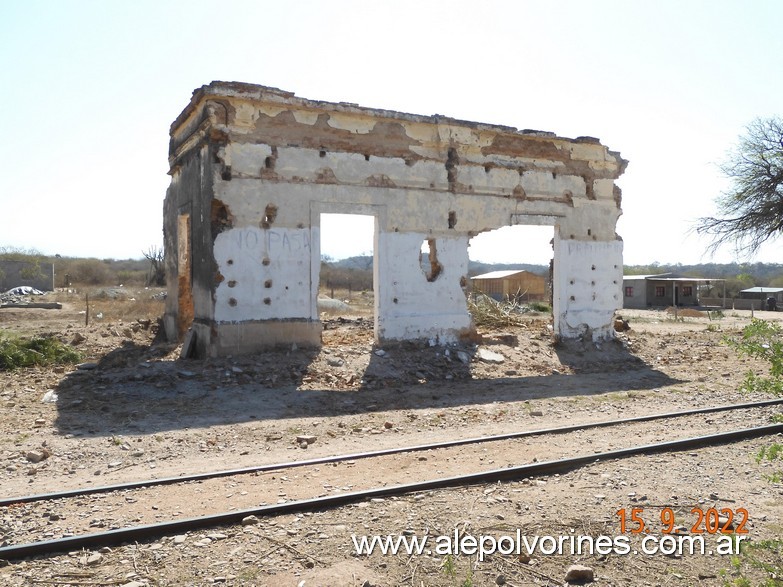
x=411, y=307
x=241, y=253
x=588, y=279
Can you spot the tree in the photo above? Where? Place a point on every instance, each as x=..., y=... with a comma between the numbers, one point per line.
x=751, y=211
x=157, y=272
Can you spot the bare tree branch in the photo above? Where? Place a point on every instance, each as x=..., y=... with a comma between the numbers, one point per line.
x=751, y=212
x=157, y=272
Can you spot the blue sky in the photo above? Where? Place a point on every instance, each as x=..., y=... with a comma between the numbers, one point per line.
x=90, y=88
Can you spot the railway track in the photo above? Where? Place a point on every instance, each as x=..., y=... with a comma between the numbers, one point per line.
x=507, y=472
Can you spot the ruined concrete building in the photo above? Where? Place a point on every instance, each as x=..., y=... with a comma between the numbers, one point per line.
x=253, y=168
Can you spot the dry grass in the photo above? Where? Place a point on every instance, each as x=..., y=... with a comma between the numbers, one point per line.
x=131, y=305
x=128, y=310
x=361, y=303
x=488, y=313
x=686, y=312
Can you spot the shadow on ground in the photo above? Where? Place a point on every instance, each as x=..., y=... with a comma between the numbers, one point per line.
x=132, y=391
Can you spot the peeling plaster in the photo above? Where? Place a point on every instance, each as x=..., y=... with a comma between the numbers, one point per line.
x=254, y=163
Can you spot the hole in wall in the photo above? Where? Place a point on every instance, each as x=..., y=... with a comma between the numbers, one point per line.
x=452, y=219
x=428, y=259
x=268, y=301
x=270, y=162
x=270, y=215
x=346, y=289
x=232, y=302
x=322, y=153
x=221, y=218
x=232, y=283
x=268, y=284
x=452, y=160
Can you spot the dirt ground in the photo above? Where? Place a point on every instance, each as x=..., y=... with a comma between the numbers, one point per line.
x=135, y=411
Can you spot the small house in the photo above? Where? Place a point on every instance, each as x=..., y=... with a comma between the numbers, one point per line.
x=513, y=284
x=665, y=289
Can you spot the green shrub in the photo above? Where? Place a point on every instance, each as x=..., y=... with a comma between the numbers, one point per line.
x=17, y=352
x=760, y=560
x=762, y=340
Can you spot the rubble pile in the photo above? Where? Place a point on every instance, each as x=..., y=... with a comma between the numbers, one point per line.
x=20, y=295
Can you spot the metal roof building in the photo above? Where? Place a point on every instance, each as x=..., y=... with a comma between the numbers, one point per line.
x=513, y=284
x=664, y=289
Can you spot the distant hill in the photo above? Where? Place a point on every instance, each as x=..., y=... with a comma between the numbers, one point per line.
x=359, y=262
x=479, y=268
x=759, y=272
x=364, y=262
x=356, y=272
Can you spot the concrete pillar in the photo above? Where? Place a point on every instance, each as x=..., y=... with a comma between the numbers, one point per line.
x=587, y=288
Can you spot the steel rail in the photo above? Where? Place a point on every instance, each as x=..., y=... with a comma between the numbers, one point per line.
x=140, y=533
x=371, y=454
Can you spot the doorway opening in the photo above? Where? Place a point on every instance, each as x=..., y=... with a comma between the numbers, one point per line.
x=513, y=267
x=346, y=288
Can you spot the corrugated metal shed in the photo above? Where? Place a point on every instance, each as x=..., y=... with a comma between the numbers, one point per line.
x=516, y=283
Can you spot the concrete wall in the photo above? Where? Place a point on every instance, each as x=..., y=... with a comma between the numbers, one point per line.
x=16, y=273
x=586, y=287
x=255, y=168
x=737, y=303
